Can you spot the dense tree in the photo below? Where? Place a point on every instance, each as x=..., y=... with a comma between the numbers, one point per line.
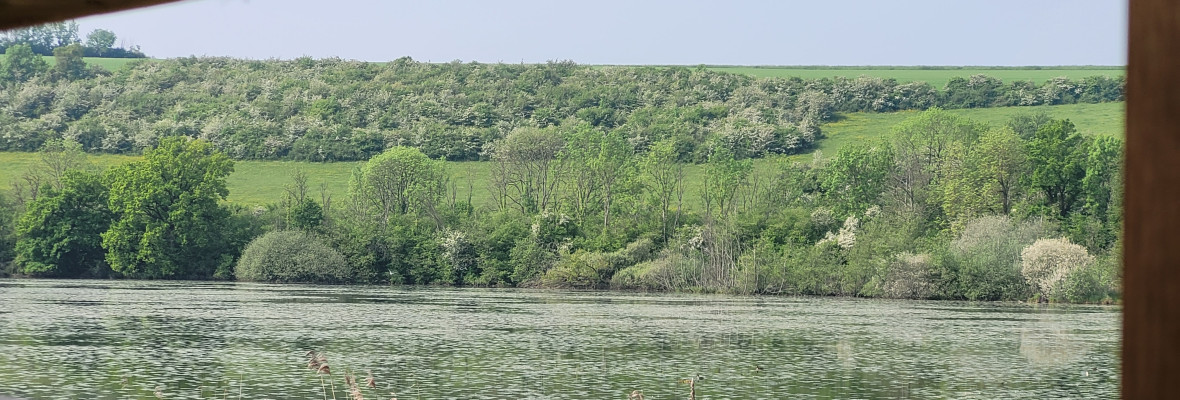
x=725, y=175
x=100, y=41
x=60, y=233
x=21, y=64
x=42, y=39
x=984, y=179
x=401, y=180
x=597, y=165
x=68, y=62
x=922, y=146
x=525, y=176
x=168, y=221
x=858, y=175
x=1058, y=157
x=664, y=175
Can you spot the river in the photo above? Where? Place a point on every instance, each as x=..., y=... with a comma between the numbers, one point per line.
x=193, y=340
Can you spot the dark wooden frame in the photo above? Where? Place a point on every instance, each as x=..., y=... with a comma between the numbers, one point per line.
x=1151, y=241
x=18, y=13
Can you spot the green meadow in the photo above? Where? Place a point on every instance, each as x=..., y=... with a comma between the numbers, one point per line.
x=936, y=77
x=262, y=182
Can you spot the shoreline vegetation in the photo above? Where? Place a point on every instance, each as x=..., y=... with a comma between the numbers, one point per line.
x=642, y=178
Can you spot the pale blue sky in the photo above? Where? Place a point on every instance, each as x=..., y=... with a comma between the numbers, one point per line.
x=815, y=32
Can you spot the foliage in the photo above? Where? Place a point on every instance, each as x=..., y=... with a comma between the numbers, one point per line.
x=1047, y=263
x=168, y=220
x=59, y=234
x=336, y=110
x=21, y=64
x=400, y=180
x=984, y=261
x=292, y=256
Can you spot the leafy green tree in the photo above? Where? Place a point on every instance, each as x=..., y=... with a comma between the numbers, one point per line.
x=60, y=233
x=858, y=175
x=1104, y=163
x=100, y=41
x=1058, y=155
x=21, y=64
x=69, y=64
x=1026, y=124
x=921, y=146
x=598, y=165
x=525, y=176
x=984, y=179
x=306, y=215
x=400, y=181
x=665, y=179
x=168, y=220
x=725, y=175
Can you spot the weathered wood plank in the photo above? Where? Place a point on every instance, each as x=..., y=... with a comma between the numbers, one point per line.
x=1151, y=262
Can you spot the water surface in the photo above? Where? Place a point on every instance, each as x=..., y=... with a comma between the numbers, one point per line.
x=191, y=340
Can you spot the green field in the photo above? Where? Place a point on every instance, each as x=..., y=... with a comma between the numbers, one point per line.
x=935, y=77
x=110, y=64
x=1090, y=119
x=261, y=182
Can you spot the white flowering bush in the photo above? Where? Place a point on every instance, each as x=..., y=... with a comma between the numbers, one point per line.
x=1047, y=263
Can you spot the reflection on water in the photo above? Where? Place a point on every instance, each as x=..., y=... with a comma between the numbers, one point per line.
x=189, y=340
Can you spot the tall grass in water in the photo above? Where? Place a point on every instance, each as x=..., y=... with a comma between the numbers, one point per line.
x=318, y=362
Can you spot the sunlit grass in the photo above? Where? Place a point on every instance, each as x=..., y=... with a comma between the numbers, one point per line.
x=262, y=182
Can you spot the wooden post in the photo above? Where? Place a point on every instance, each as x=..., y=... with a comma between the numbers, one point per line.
x=1151, y=261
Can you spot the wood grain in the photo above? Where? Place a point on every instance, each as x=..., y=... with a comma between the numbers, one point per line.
x=1151, y=262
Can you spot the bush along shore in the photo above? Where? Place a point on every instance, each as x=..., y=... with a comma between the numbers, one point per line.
x=941, y=208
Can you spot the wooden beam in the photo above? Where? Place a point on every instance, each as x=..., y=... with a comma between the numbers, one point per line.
x=19, y=13
x=1151, y=261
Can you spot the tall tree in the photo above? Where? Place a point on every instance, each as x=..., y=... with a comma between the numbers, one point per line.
x=21, y=64
x=597, y=164
x=525, y=177
x=725, y=175
x=60, y=232
x=985, y=178
x=665, y=177
x=400, y=181
x=100, y=41
x=858, y=175
x=168, y=220
x=68, y=62
x=1058, y=155
x=921, y=146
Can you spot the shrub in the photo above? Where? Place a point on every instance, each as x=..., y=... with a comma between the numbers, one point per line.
x=910, y=277
x=987, y=257
x=1081, y=285
x=292, y=256
x=1048, y=262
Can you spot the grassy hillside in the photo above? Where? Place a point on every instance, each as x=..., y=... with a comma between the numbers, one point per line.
x=936, y=77
x=1090, y=119
x=261, y=182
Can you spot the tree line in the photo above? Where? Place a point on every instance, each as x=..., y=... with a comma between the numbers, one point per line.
x=45, y=39
x=336, y=110
x=942, y=208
